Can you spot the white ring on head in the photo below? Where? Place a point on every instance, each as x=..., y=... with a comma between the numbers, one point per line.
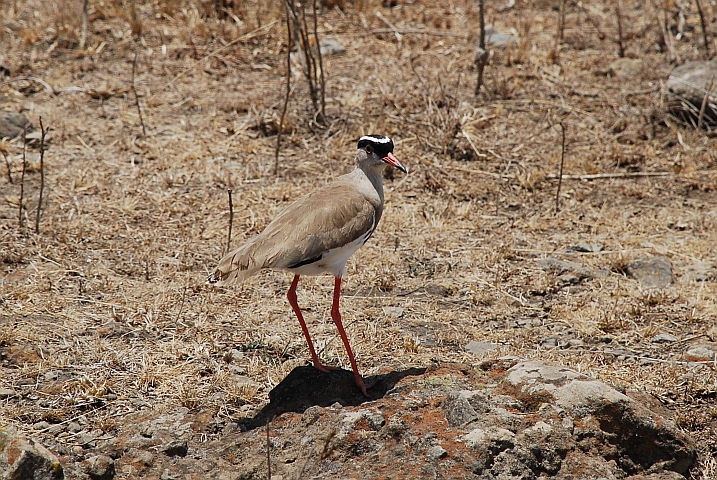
x=375, y=140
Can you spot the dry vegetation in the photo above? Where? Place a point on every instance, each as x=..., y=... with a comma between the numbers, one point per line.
x=105, y=311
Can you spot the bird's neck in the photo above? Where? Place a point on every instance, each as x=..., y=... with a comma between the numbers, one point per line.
x=374, y=174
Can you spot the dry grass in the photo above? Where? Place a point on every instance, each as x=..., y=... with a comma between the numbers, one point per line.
x=109, y=298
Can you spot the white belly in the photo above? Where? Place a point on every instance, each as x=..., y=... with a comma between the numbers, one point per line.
x=334, y=261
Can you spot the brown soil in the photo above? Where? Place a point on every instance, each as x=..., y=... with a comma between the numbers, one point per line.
x=105, y=311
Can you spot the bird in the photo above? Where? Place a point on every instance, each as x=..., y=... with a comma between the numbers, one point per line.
x=317, y=234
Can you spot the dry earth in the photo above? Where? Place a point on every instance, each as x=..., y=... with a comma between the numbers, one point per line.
x=104, y=313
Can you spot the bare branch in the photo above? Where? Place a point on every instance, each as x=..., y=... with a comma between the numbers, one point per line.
x=136, y=97
x=562, y=162
x=481, y=55
x=42, y=176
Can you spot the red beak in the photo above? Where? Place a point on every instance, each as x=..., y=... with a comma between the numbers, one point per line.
x=393, y=161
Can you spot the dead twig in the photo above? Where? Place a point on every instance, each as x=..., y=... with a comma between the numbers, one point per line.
x=705, y=101
x=42, y=176
x=672, y=55
x=560, y=33
x=392, y=28
x=321, y=65
x=620, y=45
x=7, y=164
x=603, y=176
x=562, y=162
x=22, y=178
x=704, y=28
x=231, y=218
x=481, y=55
x=83, y=36
x=309, y=58
x=417, y=31
x=136, y=97
x=288, y=94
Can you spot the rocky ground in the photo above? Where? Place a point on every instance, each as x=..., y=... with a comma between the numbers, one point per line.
x=518, y=323
x=499, y=419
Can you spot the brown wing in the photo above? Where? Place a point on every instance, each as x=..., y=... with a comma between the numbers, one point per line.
x=308, y=228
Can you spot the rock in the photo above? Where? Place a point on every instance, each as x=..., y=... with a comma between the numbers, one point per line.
x=331, y=47
x=458, y=409
x=22, y=458
x=374, y=421
x=436, y=452
x=100, y=467
x=664, y=338
x=176, y=448
x=74, y=427
x=568, y=273
x=12, y=125
x=626, y=67
x=586, y=248
x=551, y=342
x=655, y=272
x=495, y=38
x=685, y=91
x=479, y=348
x=6, y=393
x=395, y=312
x=602, y=415
x=233, y=355
x=702, y=353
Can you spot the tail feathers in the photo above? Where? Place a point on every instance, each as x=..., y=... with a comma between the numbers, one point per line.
x=235, y=267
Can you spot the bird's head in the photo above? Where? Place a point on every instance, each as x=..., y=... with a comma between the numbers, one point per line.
x=375, y=150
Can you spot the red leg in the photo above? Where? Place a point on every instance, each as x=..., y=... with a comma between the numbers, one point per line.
x=336, y=316
x=291, y=295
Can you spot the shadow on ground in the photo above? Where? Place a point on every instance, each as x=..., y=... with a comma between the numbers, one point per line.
x=306, y=386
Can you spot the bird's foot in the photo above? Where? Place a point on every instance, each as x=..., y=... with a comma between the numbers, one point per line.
x=364, y=386
x=325, y=368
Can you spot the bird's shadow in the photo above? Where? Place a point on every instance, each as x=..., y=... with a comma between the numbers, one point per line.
x=306, y=386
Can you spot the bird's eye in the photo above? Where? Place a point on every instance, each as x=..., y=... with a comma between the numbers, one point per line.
x=369, y=149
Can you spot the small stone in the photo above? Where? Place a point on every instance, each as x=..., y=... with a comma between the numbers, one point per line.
x=626, y=67
x=233, y=355
x=146, y=431
x=664, y=338
x=435, y=452
x=167, y=475
x=397, y=426
x=100, y=467
x=458, y=409
x=311, y=415
x=331, y=47
x=74, y=427
x=6, y=393
x=479, y=348
x=558, y=266
x=685, y=89
x=586, y=248
x=41, y=425
x=12, y=125
x=655, y=272
x=574, y=343
x=550, y=342
x=375, y=421
x=176, y=448
x=701, y=353
x=395, y=312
